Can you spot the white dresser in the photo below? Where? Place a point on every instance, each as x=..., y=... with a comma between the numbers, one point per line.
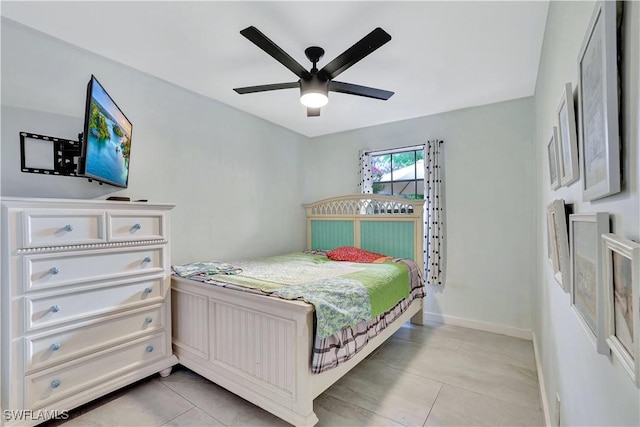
x=85, y=301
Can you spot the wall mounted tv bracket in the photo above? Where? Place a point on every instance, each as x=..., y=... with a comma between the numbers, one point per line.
x=34, y=157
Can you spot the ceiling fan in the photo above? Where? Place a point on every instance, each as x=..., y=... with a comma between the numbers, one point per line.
x=315, y=84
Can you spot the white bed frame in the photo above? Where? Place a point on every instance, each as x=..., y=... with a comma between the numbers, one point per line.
x=260, y=347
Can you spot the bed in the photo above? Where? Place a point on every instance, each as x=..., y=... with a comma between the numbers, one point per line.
x=261, y=347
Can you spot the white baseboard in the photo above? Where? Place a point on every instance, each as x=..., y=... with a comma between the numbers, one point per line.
x=481, y=326
x=543, y=391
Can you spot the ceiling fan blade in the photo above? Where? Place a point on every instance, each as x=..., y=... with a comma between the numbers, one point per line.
x=365, y=91
x=263, y=42
x=264, y=88
x=355, y=53
x=313, y=112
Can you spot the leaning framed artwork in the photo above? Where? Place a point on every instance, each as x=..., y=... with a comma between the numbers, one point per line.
x=559, y=242
x=598, y=105
x=587, y=292
x=621, y=261
x=566, y=138
x=552, y=154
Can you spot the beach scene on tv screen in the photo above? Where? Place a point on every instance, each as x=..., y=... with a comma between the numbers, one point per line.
x=108, y=140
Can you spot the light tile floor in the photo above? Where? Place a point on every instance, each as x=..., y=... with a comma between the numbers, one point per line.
x=433, y=375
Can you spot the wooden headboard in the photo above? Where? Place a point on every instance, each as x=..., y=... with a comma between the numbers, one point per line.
x=385, y=224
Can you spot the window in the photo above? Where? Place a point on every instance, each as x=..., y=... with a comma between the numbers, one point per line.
x=398, y=172
x=401, y=172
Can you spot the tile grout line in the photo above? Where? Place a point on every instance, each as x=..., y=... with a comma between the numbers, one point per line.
x=383, y=415
x=368, y=410
x=179, y=415
x=434, y=404
x=194, y=405
x=493, y=397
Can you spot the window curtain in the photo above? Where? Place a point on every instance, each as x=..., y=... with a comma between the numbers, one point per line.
x=366, y=180
x=434, y=221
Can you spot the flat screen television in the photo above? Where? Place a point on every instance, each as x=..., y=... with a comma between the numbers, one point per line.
x=106, y=146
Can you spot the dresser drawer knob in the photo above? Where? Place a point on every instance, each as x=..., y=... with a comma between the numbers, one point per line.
x=55, y=308
x=148, y=320
x=55, y=383
x=55, y=346
x=54, y=270
x=148, y=290
x=149, y=348
x=147, y=259
x=136, y=227
x=68, y=227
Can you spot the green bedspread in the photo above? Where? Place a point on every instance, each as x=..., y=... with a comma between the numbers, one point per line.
x=343, y=293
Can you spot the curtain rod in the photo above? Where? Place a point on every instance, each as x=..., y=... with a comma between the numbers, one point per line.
x=398, y=149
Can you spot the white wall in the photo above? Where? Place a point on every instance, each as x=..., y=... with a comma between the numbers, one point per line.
x=594, y=389
x=489, y=176
x=235, y=179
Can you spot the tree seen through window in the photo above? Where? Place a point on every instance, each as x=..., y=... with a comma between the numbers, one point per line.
x=399, y=174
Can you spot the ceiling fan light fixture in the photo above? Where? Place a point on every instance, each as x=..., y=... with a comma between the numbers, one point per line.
x=314, y=99
x=314, y=93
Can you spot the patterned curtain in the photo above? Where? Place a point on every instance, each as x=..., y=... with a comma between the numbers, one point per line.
x=434, y=221
x=366, y=180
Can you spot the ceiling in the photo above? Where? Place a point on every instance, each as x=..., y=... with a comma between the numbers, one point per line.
x=442, y=56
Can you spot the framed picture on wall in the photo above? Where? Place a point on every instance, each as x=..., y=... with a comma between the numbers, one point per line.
x=552, y=249
x=598, y=105
x=552, y=154
x=567, y=140
x=621, y=260
x=559, y=241
x=587, y=291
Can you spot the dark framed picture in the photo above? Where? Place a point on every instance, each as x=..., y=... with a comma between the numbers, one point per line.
x=557, y=234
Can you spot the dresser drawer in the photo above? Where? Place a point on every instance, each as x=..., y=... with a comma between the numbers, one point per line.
x=59, y=227
x=125, y=226
x=46, y=350
x=51, y=270
x=48, y=310
x=44, y=388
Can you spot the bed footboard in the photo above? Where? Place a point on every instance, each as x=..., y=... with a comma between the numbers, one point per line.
x=254, y=346
x=258, y=347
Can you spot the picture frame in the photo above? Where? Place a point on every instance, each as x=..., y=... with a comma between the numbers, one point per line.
x=598, y=105
x=552, y=155
x=559, y=242
x=552, y=249
x=621, y=260
x=566, y=138
x=587, y=290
